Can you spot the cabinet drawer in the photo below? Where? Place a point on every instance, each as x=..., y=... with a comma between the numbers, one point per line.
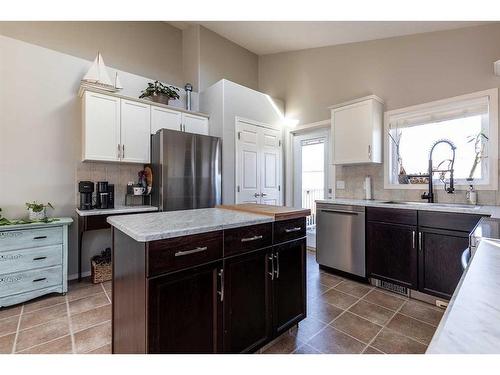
x=391, y=215
x=252, y=237
x=182, y=252
x=22, y=239
x=289, y=230
x=28, y=259
x=448, y=220
x=21, y=282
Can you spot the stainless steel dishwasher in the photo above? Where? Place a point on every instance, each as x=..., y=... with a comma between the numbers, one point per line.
x=340, y=238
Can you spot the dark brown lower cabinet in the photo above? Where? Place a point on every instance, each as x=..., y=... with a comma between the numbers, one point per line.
x=185, y=311
x=289, y=285
x=439, y=266
x=391, y=253
x=247, y=301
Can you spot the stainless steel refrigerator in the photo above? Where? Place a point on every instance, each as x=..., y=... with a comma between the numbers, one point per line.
x=186, y=170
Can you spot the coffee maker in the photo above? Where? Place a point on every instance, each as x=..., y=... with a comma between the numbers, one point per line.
x=86, y=188
x=105, y=194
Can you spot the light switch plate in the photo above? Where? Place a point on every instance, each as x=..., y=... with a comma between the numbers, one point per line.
x=340, y=184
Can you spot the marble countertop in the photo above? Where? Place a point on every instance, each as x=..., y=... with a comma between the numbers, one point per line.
x=493, y=211
x=160, y=225
x=471, y=321
x=116, y=210
x=60, y=221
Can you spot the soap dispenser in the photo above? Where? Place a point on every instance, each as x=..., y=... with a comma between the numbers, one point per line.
x=471, y=195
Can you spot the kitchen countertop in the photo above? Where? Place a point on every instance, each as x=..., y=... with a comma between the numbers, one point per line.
x=493, y=211
x=471, y=321
x=160, y=225
x=116, y=210
x=59, y=221
x=278, y=213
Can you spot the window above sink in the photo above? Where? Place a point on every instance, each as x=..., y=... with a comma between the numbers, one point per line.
x=469, y=121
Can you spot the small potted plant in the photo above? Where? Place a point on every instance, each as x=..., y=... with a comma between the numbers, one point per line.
x=160, y=93
x=37, y=211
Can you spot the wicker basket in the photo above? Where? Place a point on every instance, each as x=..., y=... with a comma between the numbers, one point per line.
x=101, y=272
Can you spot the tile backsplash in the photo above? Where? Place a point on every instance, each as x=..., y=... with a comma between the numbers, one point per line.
x=354, y=177
x=114, y=173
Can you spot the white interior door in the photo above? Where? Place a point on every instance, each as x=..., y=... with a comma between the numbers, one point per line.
x=258, y=164
x=270, y=142
x=247, y=164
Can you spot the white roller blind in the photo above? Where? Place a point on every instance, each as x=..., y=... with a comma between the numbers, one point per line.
x=440, y=112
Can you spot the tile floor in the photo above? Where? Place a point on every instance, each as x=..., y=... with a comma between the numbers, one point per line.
x=348, y=317
x=343, y=317
x=79, y=322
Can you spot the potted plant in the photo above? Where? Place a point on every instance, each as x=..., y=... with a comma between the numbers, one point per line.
x=37, y=211
x=160, y=93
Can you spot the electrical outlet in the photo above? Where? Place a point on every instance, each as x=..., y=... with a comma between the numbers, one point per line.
x=340, y=185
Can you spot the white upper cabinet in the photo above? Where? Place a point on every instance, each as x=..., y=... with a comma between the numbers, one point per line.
x=164, y=118
x=101, y=127
x=357, y=131
x=194, y=124
x=135, y=132
x=119, y=129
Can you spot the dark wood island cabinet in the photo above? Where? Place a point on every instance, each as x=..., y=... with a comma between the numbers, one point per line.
x=224, y=291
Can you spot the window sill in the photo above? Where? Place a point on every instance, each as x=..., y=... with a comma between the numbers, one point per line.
x=460, y=187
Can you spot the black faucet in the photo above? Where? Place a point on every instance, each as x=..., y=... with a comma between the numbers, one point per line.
x=430, y=195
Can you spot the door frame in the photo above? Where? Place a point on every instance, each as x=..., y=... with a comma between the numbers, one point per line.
x=238, y=119
x=319, y=126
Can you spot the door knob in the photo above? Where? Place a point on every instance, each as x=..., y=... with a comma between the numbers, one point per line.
x=256, y=195
x=263, y=194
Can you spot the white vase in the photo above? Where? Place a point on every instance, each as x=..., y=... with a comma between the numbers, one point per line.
x=41, y=215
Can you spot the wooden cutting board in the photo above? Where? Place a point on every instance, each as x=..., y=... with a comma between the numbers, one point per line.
x=277, y=212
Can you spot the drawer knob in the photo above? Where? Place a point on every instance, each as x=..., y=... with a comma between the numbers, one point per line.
x=291, y=230
x=254, y=238
x=187, y=252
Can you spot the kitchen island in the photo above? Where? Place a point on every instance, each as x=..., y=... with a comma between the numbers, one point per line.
x=206, y=281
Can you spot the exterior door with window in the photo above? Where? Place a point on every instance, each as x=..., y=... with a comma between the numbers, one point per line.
x=258, y=164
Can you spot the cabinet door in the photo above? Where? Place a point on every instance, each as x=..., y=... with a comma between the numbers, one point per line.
x=391, y=253
x=195, y=124
x=101, y=127
x=440, y=268
x=247, y=301
x=248, y=164
x=163, y=118
x=289, y=285
x=270, y=153
x=185, y=311
x=135, y=131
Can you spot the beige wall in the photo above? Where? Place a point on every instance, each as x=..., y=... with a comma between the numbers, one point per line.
x=403, y=71
x=221, y=58
x=150, y=49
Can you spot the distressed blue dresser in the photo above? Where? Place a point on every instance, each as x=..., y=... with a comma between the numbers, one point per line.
x=33, y=260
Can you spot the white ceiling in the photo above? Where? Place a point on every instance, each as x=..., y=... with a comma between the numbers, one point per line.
x=264, y=37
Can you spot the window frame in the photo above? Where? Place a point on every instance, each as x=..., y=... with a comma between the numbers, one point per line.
x=491, y=149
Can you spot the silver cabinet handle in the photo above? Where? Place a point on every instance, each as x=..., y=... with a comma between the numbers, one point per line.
x=40, y=279
x=420, y=241
x=291, y=230
x=340, y=212
x=277, y=256
x=271, y=258
x=221, y=292
x=187, y=252
x=39, y=258
x=369, y=152
x=180, y=127
x=413, y=239
x=119, y=151
x=254, y=238
x=123, y=151
x=39, y=237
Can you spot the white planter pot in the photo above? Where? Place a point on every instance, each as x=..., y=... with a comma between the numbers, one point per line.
x=41, y=215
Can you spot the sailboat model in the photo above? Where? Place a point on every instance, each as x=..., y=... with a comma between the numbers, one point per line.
x=98, y=77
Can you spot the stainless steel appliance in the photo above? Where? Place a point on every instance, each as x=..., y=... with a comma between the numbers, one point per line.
x=102, y=195
x=186, y=170
x=340, y=238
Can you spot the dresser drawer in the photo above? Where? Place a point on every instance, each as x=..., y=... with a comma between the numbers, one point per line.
x=23, y=239
x=243, y=239
x=182, y=252
x=288, y=230
x=21, y=282
x=28, y=259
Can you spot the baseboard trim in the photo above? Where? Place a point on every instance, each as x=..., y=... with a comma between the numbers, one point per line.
x=75, y=275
